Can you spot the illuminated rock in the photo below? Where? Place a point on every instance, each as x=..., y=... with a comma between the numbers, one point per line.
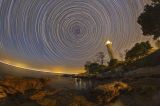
x=108, y=92
x=2, y=93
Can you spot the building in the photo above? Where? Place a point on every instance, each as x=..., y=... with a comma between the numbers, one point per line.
x=110, y=50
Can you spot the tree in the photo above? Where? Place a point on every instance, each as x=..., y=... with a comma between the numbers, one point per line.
x=113, y=62
x=100, y=57
x=139, y=50
x=96, y=66
x=87, y=66
x=93, y=68
x=150, y=19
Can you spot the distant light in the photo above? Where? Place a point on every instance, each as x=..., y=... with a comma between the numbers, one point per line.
x=57, y=69
x=108, y=42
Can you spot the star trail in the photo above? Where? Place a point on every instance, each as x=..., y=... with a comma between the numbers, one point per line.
x=65, y=33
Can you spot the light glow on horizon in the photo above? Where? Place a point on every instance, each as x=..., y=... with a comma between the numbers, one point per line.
x=55, y=70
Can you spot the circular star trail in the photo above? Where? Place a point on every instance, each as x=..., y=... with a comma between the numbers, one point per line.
x=67, y=32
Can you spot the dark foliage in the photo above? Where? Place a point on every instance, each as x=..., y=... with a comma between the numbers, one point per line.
x=100, y=57
x=138, y=51
x=93, y=68
x=150, y=19
x=113, y=62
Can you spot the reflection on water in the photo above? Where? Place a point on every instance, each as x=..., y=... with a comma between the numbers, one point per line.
x=73, y=83
x=83, y=84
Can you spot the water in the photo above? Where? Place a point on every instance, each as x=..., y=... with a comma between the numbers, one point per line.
x=125, y=100
x=84, y=84
x=73, y=83
x=78, y=84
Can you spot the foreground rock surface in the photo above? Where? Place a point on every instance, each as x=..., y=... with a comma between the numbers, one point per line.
x=12, y=85
x=2, y=93
x=109, y=92
x=15, y=91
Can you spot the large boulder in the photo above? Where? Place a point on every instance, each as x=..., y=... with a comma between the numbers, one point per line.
x=81, y=101
x=13, y=84
x=2, y=93
x=42, y=94
x=108, y=92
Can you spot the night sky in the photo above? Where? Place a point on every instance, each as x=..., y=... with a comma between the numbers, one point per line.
x=61, y=35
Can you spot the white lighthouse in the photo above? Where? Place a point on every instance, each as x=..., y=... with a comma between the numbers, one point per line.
x=110, y=49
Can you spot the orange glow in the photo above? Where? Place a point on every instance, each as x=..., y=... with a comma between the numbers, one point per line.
x=20, y=65
x=56, y=69
x=15, y=64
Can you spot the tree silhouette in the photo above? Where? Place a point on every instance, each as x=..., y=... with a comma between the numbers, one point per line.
x=93, y=68
x=113, y=62
x=100, y=57
x=139, y=50
x=150, y=19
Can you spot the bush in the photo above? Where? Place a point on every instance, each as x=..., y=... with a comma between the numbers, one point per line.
x=94, y=68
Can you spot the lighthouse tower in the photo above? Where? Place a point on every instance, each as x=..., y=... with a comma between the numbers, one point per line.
x=110, y=49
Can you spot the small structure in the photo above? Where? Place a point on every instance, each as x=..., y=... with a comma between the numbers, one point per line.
x=110, y=50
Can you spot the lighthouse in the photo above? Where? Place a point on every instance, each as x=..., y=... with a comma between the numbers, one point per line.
x=110, y=49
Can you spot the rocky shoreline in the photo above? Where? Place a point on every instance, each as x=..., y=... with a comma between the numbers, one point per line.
x=136, y=88
x=16, y=91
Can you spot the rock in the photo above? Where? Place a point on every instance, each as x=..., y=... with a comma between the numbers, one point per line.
x=41, y=94
x=42, y=99
x=38, y=96
x=108, y=92
x=2, y=93
x=81, y=101
x=13, y=85
x=47, y=102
